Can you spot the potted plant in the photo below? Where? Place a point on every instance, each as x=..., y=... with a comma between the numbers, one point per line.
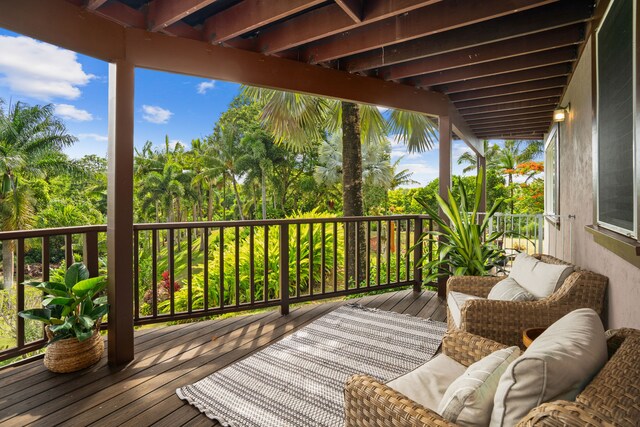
x=72, y=312
x=464, y=247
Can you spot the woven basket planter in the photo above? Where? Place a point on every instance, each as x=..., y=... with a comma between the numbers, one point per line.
x=70, y=355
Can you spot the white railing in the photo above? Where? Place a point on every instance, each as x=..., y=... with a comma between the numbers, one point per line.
x=535, y=233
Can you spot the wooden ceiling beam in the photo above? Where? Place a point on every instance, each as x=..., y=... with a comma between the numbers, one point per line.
x=353, y=8
x=422, y=22
x=250, y=15
x=328, y=21
x=538, y=42
x=516, y=134
x=516, y=25
x=490, y=92
x=506, y=79
x=482, y=126
x=515, y=97
x=122, y=14
x=510, y=106
x=163, y=13
x=524, y=62
x=94, y=4
x=515, y=129
x=548, y=115
x=509, y=115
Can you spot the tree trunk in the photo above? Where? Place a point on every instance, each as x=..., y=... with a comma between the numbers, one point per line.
x=7, y=264
x=352, y=189
x=511, y=191
x=210, y=203
x=224, y=197
x=264, y=195
x=235, y=190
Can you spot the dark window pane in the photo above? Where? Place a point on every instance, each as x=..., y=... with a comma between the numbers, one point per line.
x=615, y=116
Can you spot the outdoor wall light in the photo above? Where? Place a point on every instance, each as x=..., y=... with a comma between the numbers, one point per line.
x=560, y=113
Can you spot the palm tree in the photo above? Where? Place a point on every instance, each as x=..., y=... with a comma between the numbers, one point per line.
x=401, y=177
x=229, y=155
x=471, y=160
x=31, y=140
x=162, y=190
x=301, y=121
x=506, y=158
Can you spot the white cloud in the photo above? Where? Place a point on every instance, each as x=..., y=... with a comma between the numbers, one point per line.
x=70, y=112
x=206, y=86
x=40, y=70
x=382, y=109
x=155, y=114
x=422, y=173
x=93, y=136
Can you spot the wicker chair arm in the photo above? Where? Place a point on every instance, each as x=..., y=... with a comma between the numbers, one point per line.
x=504, y=321
x=368, y=403
x=564, y=413
x=466, y=348
x=472, y=285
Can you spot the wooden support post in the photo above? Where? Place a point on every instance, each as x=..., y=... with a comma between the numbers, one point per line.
x=90, y=252
x=417, y=255
x=444, y=154
x=284, y=269
x=482, y=166
x=120, y=212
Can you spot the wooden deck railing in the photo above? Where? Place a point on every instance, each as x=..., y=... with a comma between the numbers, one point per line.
x=71, y=243
x=198, y=269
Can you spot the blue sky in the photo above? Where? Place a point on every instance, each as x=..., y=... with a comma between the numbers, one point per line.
x=182, y=107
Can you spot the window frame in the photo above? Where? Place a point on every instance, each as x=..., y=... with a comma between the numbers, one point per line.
x=552, y=205
x=635, y=232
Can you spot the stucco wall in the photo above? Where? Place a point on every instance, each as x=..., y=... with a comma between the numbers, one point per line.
x=576, y=198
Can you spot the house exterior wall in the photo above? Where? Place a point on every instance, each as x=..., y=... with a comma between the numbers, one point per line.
x=577, y=198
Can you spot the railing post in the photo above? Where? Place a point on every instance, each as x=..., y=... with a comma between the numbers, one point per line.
x=417, y=255
x=90, y=252
x=540, y=233
x=284, y=269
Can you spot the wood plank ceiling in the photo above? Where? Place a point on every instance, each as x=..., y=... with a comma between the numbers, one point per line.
x=503, y=63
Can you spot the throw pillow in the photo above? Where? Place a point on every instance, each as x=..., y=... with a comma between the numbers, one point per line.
x=469, y=400
x=509, y=290
x=537, y=277
x=557, y=366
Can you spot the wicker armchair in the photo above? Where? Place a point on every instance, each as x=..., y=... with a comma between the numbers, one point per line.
x=369, y=403
x=611, y=399
x=504, y=321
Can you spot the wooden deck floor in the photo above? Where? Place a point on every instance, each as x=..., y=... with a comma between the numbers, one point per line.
x=143, y=392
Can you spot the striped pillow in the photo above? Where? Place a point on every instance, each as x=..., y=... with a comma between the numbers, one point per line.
x=469, y=400
x=509, y=290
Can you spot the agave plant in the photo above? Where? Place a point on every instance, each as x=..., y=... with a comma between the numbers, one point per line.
x=73, y=308
x=464, y=248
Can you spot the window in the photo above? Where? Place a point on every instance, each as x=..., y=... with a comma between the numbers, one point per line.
x=551, y=184
x=616, y=146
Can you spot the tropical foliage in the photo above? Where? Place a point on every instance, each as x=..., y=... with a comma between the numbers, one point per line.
x=465, y=248
x=73, y=308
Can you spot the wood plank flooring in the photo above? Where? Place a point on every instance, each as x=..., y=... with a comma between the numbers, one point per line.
x=143, y=392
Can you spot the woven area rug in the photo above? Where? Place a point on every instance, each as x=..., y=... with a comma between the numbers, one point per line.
x=299, y=380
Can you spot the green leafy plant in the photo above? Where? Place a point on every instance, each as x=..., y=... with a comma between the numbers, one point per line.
x=464, y=248
x=73, y=308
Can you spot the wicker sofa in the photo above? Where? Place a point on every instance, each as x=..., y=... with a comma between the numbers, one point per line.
x=504, y=321
x=611, y=399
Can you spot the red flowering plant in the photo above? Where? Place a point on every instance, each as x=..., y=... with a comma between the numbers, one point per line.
x=164, y=289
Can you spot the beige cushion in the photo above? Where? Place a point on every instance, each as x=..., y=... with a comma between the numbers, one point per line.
x=469, y=400
x=427, y=383
x=557, y=366
x=455, y=300
x=539, y=278
x=509, y=290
